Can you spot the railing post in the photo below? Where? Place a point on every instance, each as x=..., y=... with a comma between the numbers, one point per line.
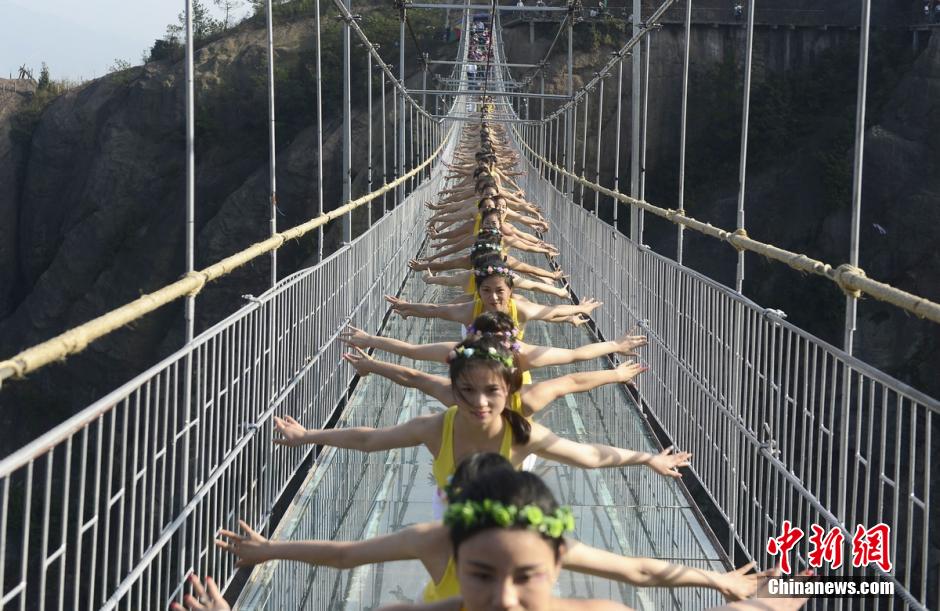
x=347, y=128
x=745, y=118
x=682, y=129
x=272, y=154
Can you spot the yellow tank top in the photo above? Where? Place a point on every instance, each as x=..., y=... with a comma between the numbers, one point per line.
x=444, y=464
x=447, y=587
x=472, y=283
x=476, y=223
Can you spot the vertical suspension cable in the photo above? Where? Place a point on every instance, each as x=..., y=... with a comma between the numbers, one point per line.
x=569, y=165
x=647, y=43
x=190, y=308
x=347, y=126
x=745, y=117
x=395, y=151
x=587, y=109
x=403, y=116
x=617, y=131
x=851, y=302
x=384, y=143
x=635, y=124
x=319, y=79
x=190, y=304
x=682, y=130
x=369, y=120
x=597, y=156
x=272, y=153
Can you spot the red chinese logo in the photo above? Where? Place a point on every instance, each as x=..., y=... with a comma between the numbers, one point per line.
x=828, y=547
x=871, y=546
x=780, y=546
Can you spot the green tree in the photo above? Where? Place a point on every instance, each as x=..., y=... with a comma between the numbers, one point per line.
x=44, y=80
x=228, y=8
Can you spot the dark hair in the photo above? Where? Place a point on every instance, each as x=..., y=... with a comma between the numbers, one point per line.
x=517, y=488
x=484, y=199
x=473, y=467
x=494, y=322
x=484, y=248
x=512, y=376
x=482, y=273
x=489, y=211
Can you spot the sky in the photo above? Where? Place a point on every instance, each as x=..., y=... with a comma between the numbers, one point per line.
x=80, y=39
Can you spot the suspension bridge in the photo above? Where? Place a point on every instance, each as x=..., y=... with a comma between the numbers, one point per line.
x=115, y=507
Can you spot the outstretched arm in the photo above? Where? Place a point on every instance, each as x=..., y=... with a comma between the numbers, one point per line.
x=458, y=313
x=420, y=352
x=652, y=573
x=536, y=396
x=250, y=548
x=431, y=385
x=542, y=287
x=596, y=456
x=534, y=311
x=364, y=439
x=547, y=356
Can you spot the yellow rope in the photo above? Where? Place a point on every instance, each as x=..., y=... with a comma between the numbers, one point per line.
x=852, y=280
x=77, y=339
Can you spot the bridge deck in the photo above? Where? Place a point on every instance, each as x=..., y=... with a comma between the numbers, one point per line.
x=351, y=496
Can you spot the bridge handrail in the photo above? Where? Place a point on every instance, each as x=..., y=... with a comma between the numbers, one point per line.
x=851, y=280
x=77, y=339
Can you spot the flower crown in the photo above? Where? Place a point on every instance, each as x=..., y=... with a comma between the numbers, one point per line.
x=466, y=352
x=509, y=337
x=493, y=513
x=489, y=270
x=480, y=247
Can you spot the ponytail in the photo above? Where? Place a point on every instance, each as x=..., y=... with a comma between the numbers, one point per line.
x=520, y=427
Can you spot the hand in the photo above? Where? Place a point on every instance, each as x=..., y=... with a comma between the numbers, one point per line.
x=628, y=371
x=761, y=600
x=293, y=434
x=589, y=305
x=417, y=265
x=741, y=584
x=360, y=362
x=577, y=320
x=559, y=274
x=398, y=305
x=204, y=601
x=249, y=550
x=626, y=343
x=667, y=463
x=355, y=337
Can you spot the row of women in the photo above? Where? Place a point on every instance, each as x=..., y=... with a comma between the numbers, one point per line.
x=503, y=540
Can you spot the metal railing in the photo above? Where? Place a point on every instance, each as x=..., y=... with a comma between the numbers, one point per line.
x=782, y=425
x=116, y=506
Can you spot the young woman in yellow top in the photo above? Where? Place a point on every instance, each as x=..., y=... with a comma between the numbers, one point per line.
x=494, y=294
x=483, y=380
x=507, y=535
x=528, y=356
x=429, y=542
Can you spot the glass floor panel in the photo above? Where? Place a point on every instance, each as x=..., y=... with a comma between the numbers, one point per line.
x=351, y=495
